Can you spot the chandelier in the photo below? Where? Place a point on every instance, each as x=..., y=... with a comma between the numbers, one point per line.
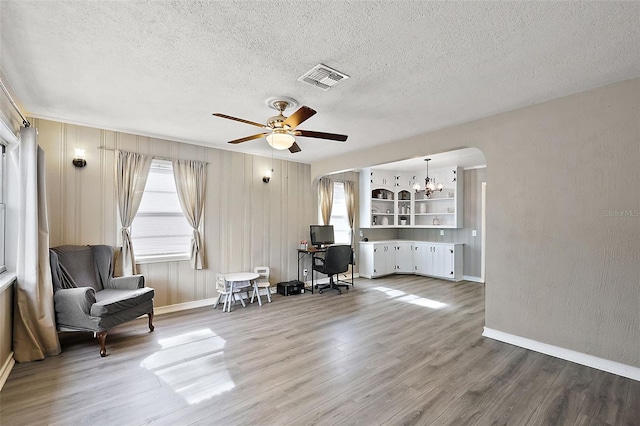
x=429, y=183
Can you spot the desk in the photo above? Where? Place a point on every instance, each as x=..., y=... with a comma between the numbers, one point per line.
x=236, y=277
x=310, y=253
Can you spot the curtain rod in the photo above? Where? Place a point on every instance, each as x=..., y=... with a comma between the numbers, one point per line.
x=25, y=122
x=106, y=148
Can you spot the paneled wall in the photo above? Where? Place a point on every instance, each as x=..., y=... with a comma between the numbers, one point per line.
x=247, y=222
x=6, y=331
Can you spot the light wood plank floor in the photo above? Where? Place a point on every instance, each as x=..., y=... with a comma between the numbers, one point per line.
x=402, y=350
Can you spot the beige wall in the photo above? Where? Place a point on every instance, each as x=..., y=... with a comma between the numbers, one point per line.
x=559, y=269
x=247, y=222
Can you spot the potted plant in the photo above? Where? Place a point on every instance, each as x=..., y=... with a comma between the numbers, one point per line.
x=403, y=220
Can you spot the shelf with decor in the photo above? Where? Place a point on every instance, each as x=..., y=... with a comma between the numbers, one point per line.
x=441, y=206
x=402, y=206
x=383, y=207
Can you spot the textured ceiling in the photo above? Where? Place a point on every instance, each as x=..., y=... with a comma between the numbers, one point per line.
x=162, y=68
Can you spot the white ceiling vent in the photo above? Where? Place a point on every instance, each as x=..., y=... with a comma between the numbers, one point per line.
x=323, y=77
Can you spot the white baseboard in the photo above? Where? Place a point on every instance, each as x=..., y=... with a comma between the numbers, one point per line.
x=474, y=279
x=614, y=367
x=184, y=306
x=6, y=369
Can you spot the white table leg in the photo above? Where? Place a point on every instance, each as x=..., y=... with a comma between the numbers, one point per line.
x=229, y=296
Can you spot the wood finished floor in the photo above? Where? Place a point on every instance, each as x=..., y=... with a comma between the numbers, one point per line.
x=382, y=353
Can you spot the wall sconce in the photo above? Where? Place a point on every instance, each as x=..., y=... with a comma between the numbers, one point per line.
x=267, y=176
x=79, y=159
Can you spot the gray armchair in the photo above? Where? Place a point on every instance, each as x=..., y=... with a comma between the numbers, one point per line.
x=87, y=297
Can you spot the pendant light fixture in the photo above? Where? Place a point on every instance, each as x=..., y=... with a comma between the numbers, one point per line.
x=429, y=183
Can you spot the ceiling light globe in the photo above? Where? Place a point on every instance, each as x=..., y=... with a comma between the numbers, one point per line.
x=279, y=140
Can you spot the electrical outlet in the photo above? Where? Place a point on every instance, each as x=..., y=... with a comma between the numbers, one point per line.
x=305, y=272
x=474, y=233
x=442, y=232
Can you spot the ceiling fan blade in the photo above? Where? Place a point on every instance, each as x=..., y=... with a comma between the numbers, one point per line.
x=321, y=135
x=303, y=113
x=248, y=138
x=253, y=123
x=294, y=148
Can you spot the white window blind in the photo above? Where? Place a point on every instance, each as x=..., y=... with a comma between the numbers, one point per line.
x=339, y=218
x=160, y=228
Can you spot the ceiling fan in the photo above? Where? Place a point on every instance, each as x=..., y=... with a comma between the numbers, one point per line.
x=280, y=130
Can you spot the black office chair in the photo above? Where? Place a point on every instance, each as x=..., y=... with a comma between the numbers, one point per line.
x=336, y=261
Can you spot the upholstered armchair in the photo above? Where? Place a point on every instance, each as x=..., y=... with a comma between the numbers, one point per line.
x=87, y=297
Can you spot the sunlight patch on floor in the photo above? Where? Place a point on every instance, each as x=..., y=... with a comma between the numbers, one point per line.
x=411, y=298
x=192, y=364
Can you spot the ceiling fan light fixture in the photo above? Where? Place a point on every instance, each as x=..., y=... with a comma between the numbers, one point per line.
x=280, y=140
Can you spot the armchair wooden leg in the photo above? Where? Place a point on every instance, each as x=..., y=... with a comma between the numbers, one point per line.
x=151, y=327
x=102, y=337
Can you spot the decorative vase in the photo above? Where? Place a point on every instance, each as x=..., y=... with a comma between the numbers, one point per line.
x=436, y=221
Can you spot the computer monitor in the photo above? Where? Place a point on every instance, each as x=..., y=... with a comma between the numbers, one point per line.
x=321, y=235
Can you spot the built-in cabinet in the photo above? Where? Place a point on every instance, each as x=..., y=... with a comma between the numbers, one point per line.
x=383, y=259
x=441, y=260
x=388, y=199
x=438, y=259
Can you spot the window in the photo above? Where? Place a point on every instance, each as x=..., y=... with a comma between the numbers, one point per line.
x=160, y=228
x=339, y=218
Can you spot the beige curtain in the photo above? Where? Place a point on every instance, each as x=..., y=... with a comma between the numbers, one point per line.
x=132, y=170
x=350, y=198
x=190, y=178
x=325, y=194
x=34, y=329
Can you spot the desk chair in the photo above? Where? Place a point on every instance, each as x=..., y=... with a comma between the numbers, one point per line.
x=336, y=261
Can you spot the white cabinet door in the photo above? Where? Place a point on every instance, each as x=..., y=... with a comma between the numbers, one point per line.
x=366, y=260
x=442, y=261
x=383, y=178
x=405, y=180
x=421, y=257
x=383, y=259
x=404, y=257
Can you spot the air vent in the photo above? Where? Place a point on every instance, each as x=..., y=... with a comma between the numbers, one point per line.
x=323, y=77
